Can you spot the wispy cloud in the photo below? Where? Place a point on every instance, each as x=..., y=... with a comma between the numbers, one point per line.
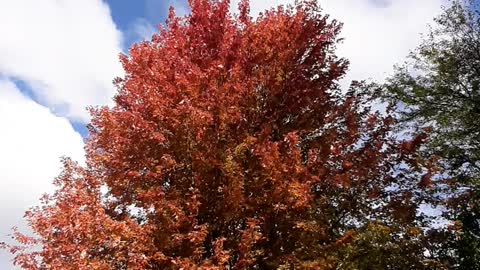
x=156, y=7
x=142, y=29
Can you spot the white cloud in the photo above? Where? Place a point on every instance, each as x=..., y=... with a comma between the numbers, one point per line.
x=378, y=33
x=65, y=50
x=31, y=141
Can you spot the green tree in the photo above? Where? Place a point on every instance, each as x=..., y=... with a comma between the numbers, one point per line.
x=439, y=87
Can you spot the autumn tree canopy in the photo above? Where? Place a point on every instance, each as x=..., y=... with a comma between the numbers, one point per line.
x=230, y=146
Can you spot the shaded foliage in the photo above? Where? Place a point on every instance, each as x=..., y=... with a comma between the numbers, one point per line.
x=440, y=87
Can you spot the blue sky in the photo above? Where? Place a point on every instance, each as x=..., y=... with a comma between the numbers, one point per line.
x=59, y=56
x=127, y=15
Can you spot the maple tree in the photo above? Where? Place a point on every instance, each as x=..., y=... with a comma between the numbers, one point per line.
x=230, y=146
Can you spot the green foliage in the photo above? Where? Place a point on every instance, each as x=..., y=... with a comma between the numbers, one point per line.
x=440, y=87
x=379, y=247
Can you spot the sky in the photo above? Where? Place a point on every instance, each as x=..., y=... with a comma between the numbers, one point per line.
x=59, y=56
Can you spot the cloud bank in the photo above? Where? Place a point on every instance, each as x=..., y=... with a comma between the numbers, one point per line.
x=66, y=51
x=378, y=33
x=32, y=140
x=65, y=54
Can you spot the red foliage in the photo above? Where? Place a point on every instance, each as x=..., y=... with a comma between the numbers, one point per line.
x=229, y=145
